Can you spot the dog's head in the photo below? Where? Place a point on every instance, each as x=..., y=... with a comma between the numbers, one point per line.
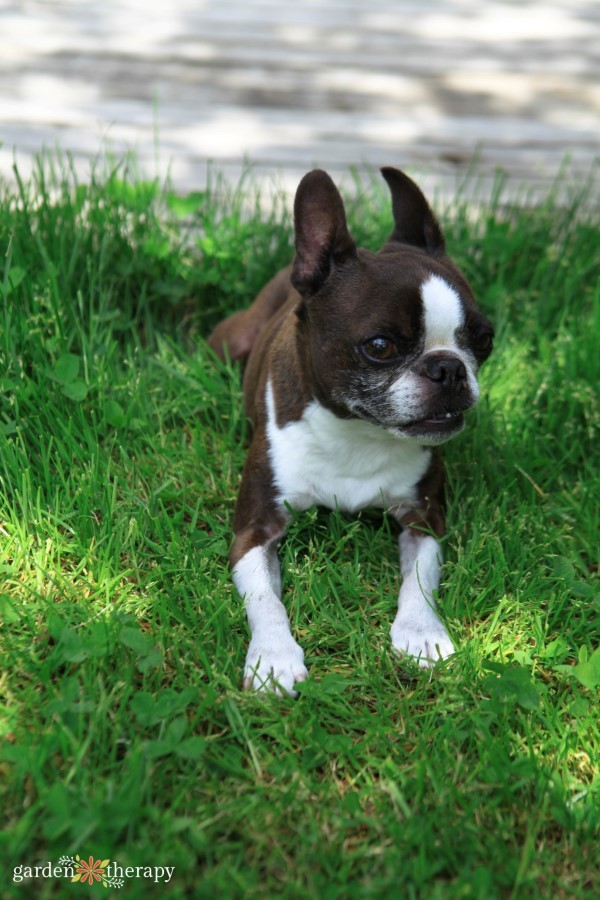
x=393, y=337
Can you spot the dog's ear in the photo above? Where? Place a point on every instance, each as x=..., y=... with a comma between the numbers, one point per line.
x=322, y=237
x=414, y=222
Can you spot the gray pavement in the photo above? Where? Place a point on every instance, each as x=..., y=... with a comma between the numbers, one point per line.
x=436, y=85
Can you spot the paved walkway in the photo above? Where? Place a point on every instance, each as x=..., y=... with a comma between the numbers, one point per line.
x=432, y=84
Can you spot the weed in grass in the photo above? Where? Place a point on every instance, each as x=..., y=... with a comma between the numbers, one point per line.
x=124, y=731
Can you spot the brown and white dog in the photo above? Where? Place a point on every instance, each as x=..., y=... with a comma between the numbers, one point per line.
x=359, y=365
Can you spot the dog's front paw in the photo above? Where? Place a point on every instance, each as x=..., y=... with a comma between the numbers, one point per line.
x=426, y=644
x=274, y=664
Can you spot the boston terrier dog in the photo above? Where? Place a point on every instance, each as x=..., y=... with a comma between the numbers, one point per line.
x=360, y=365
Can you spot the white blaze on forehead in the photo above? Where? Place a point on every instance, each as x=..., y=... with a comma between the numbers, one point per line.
x=443, y=311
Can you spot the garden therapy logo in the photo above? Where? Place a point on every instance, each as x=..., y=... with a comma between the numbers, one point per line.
x=92, y=871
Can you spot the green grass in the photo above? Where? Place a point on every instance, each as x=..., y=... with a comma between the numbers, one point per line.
x=123, y=730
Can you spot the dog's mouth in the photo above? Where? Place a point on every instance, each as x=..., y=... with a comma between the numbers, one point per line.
x=436, y=427
x=443, y=423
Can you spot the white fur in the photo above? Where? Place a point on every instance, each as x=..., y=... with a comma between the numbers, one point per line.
x=349, y=464
x=444, y=316
x=417, y=630
x=274, y=660
x=342, y=463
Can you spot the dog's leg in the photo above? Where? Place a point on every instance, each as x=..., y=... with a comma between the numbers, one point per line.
x=417, y=630
x=274, y=660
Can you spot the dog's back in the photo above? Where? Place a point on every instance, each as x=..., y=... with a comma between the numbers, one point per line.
x=236, y=335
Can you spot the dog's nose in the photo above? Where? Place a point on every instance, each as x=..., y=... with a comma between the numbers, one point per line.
x=448, y=371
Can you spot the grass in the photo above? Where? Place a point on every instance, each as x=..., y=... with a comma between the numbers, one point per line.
x=124, y=732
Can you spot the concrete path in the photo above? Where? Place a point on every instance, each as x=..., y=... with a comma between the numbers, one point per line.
x=435, y=85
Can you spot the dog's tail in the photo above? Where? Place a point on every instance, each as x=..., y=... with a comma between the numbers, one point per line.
x=236, y=335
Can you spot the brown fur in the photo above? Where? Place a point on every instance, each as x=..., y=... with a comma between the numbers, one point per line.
x=237, y=334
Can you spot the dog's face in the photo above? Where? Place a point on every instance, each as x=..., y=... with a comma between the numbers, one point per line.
x=394, y=337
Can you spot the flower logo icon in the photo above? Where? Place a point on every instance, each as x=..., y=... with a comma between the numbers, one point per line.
x=90, y=871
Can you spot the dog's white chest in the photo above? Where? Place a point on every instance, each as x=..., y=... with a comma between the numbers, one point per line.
x=345, y=464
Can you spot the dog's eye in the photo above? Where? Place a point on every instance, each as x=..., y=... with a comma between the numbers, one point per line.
x=483, y=342
x=380, y=349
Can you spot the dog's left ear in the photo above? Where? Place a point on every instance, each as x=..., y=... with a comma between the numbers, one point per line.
x=414, y=222
x=322, y=237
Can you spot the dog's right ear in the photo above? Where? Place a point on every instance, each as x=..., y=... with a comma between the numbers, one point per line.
x=414, y=222
x=322, y=237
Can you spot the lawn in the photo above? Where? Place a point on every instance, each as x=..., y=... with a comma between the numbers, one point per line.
x=124, y=733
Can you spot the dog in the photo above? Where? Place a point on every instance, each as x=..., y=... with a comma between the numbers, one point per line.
x=359, y=365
